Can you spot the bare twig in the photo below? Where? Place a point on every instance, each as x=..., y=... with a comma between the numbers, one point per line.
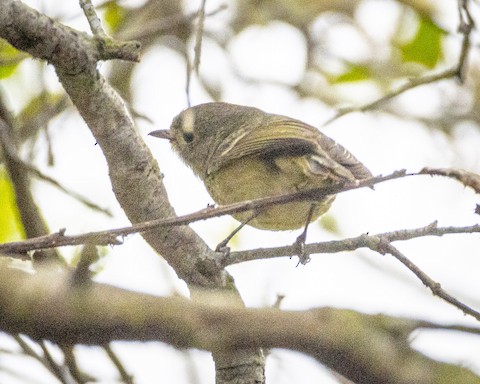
x=383, y=246
x=92, y=17
x=45, y=360
x=380, y=243
x=60, y=372
x=32, y=220
x=199, y=36
x=156, y=27
x=465, y=27
x=42, y=176
x=410, y=84
x=111, y=237
x=197, y=49
x=71, y=363
x=468, y=179
x=448, y=327
x=348, y=244
x=188, y=78
x=82, y=274
x=126, y=377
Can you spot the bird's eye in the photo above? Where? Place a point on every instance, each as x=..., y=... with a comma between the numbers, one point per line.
x=188, y=137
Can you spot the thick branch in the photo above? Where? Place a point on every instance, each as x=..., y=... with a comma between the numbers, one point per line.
x=134, y=173
x=364, y=348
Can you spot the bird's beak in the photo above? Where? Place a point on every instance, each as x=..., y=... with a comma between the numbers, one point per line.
x=162, y=133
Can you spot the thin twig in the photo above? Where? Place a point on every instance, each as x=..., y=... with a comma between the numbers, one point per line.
x=82, y=274
x=29, y=351
x=32, y=221
x=92, y=17
x=383, y=246
x=75, y=195
x=465, y=27
x=188, y=80
x=111, y=237
x=455, y=327
x=126, y=377
x=349, y=244
x=8, y=145
x=156, y=27
x=60, y=372
x=71, y=363
x=108, y=48
x=410, y=84
x=199, y=36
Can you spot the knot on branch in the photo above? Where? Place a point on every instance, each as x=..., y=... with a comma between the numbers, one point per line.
x=377, y=243
x=109, y=49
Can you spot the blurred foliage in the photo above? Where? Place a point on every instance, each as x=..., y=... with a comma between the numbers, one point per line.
x=38, y=111
x=114, y=15
x=11, y=228
x=426, y=46
x=354, y=73
x=172, y=24
x=10, y=58
x=329, y=223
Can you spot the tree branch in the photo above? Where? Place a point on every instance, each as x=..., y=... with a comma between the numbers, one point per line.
x=364, y=348
x=382, y=246
x=110, y=237
x=349, y=244
x=134, y=173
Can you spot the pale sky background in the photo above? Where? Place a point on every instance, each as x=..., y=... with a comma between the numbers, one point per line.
x=361, y=280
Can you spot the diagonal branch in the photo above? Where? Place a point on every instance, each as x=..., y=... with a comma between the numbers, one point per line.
x=135, y=175
x=383, y=246
x=110, y=237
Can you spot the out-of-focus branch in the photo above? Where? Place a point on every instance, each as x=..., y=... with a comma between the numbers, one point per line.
x=364, y=348
x=126, y=378
x=30, y=215
x=42, y=359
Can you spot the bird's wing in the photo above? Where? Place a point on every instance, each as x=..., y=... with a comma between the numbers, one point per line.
x=282, y=136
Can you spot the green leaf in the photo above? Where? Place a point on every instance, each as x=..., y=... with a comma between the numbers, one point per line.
x=10, y=58
x=328, y=223
x=425, y=47
x=41, y=103
x=11, y=228
x=114, y=15
x=354, y=73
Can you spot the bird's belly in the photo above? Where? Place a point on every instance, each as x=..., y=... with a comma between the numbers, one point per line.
x=252, y=178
